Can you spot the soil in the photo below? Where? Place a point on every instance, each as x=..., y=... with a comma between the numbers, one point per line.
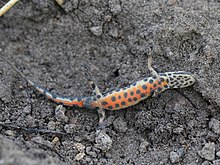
x=50, y=43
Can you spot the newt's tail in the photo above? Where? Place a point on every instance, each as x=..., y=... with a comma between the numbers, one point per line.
x=75, y=101
x=68, y=101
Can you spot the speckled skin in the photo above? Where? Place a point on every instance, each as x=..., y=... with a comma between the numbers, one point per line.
x=128, y=96
x=121, y=98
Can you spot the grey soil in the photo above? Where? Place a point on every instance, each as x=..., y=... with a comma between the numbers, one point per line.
x=49, y=44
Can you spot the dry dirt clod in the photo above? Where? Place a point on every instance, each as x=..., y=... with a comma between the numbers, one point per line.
x=103, y=141
x=208, y=151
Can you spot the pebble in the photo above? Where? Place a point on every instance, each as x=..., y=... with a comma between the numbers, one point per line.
x=80, y=147
x=206, y=163
x=218, y=154
x=55, y=141
x=27, y=109
x=174, y=157
x=60, y=114
x=178, y=130
x=96, y=30
x=212, y=137
x=10, y=133
x=70, y=128
x=115, y=6
x=216, y=162
x=51, y=125
x=143, y=146
x=79, y=156
x=114, y=32
x=214, y=124
x=90, y=152
x=120, y=125
x=60, y=2
x=103, y=141
x=208, y=151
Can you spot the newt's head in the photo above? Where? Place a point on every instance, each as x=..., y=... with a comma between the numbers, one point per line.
x=179, y=79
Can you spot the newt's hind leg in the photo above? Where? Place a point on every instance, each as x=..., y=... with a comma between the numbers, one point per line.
x=153, y=72
x=96, y=92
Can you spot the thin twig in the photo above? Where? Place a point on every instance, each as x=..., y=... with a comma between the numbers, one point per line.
x=32, y=130
x=7, y=6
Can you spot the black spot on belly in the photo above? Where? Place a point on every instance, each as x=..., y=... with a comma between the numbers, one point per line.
x=159, y=89
x=142, y=95
x=138, y=91
x=123, y=103
x=151, y=81
x=110, y=107
x=129, y=100
x=135, y=98
x=113, y=98
x=119, y=97
x=152, y=92
x=132, y=93
x=125, y=95
x=144, y=87
x=104, y=103
x=116, y=105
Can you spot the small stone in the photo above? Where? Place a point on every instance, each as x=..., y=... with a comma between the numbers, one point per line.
x=78, y=138
x=208, y=151
x=114, y=32
x=88, y=159
x=60, y=114
x=212, y=137
x=143, y=146
x=115, y=6
x=216, y=162
x=178, y=130
x=70, y=128
x=108, y=18
x=10, y=133
x=103, y=141
x=60, y=2
x=90, y=152
x=55, y=141
x=79, y=156
x=206, y=163
x=120, y=125
x=97, y=30
x=174, y=157
x=214, y=124
x=27, y=109
x=51, y=125
x=218, y=154
x=80, y=147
